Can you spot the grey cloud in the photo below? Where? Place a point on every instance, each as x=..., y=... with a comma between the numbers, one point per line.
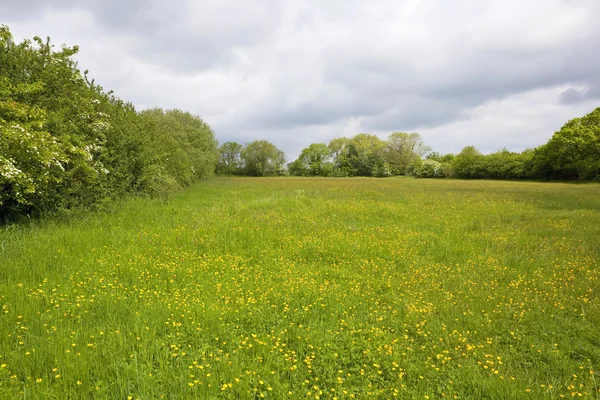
x=594, y=92
x=424, y=113
x=572, y=95
x=319, y=111
x=462, y=84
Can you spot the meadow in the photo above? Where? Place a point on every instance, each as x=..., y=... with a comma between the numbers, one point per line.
x=321, y=288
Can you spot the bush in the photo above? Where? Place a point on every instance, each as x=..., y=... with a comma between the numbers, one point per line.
x=432, y=169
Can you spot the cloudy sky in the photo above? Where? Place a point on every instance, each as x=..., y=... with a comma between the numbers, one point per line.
x=489, y=73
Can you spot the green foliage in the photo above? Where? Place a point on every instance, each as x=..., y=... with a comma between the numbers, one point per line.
x=573, y=152
x=230, y=162
x=403, y=150
x=65, y=143
x=430, y=168
x=443, y=158
x=51, y=129
x=262, y=158
x=366, y=154
x=468, y=163
x=339, y=150
x=505, y=164
x=315, y=160
x=31, y=160
x=182, y=147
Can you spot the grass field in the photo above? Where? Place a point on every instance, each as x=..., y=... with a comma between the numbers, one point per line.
x=310, y=288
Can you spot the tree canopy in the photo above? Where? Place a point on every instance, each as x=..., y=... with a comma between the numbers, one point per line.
x=230, y=162
x=262, y=158
x=362, y=155
x=315, y=160
x=573, y=152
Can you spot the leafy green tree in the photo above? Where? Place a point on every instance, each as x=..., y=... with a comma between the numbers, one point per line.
x=125, y=152
x=182, y=149
x=402, y=151
x=468, y=163
x=339, y=149
x=198, y=141
x=366, y=155
x=315, y=160
x=262, y=158
x=295, y=168
x=505, y=164
x=573, y=152
x=230, y=162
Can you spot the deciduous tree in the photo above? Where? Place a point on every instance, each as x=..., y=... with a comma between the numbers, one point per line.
x=262, y=158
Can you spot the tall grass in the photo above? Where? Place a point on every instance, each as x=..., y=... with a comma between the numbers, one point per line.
x=309, y=288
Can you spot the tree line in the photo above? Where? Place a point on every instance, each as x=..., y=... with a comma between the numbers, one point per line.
x=66, y=143
x=573, y=153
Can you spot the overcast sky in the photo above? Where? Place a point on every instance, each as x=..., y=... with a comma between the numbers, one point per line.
x=489, y=73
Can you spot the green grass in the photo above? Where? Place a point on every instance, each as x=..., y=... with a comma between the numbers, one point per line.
x=319, y=288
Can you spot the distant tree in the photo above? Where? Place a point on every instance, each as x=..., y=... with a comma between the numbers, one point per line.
x=573, y=152
x=366, y=155
x=444, y=168
x=295, y=168
x=279, y=163
x=402, y=151
x=468, y=163
x=505, y=164
x=230, y=162
x=315, y=160
x=262, y=158
x=339, y=150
